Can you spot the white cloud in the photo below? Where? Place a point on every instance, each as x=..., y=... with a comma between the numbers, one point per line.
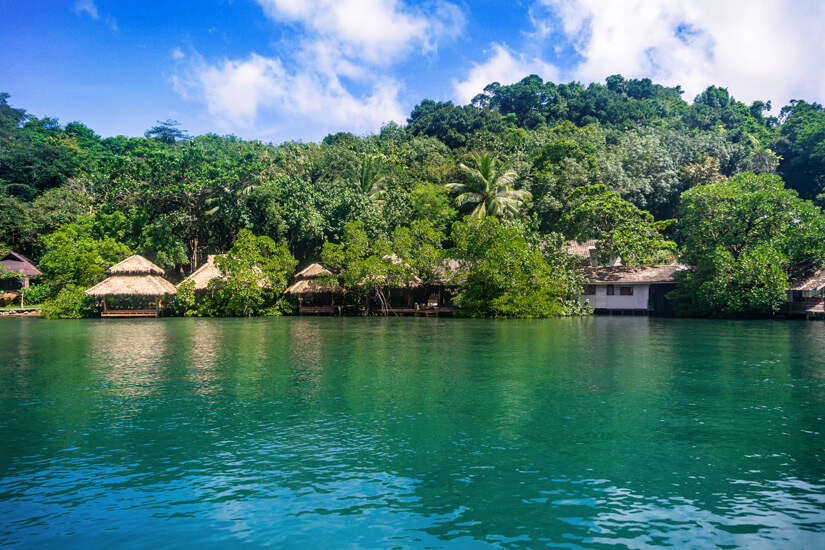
x=236, y=92
x=376, y=31
x=504, y=67
x=88, y=7
x=333, y=77
x=764, y=49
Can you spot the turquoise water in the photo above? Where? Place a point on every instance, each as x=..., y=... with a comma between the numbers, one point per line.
x=604, y=432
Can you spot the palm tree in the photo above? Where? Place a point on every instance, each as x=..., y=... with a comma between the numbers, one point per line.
x=369, y=181
x=489, y=189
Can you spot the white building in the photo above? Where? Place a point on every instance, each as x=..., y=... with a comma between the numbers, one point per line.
x=615, y=289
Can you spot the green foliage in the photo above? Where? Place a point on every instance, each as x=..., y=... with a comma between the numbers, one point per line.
x=74, y=257
x=173, y=198
x=620, y=228
x=420, y=247
x=38, y=293
x=507, y=276
x=16, y=225
x=363, y=266
x=70, y=303
x=746, y=236
x=489, y=190
x=256, y=272
x=185, y=300
x=431, y=202
x=802, y=148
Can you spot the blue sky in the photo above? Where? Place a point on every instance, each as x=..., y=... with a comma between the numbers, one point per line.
x=281, y=70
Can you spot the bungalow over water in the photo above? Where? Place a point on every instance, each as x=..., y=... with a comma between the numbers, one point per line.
x=135, y=288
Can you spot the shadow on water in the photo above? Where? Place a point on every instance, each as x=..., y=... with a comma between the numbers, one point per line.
x=591, y=432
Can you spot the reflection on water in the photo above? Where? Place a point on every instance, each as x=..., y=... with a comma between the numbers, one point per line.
x=580, y=433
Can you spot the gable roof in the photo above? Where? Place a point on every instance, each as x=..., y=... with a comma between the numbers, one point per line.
x=17, y=262
x=204, y=274
x=306, y=281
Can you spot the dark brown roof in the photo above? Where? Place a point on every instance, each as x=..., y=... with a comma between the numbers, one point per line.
x=633, y=275
x=17, y=262
x=814, y=280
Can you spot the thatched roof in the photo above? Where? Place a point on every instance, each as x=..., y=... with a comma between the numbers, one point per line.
x=814, y=281
x=17, y=262
x=633, y=275
x=449, y=272
x=312, y=271
x=306, y=281
x=133, y=285
x=204, y=274
x=584, y=250
x=135, y=265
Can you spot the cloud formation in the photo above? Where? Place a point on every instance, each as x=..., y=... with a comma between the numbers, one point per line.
x=88, y=7
x=764, y=49
x=336, y=75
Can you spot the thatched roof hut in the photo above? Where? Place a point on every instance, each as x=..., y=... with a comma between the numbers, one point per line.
x=134, y=276
x=204, y=274
x=307, y=281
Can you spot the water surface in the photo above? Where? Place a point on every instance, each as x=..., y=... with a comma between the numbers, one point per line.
x=604, y=432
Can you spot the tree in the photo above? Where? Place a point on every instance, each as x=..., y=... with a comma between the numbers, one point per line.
x=74, y=257
x=507, y=275
x=256, y=272
x=420, y=247
x=489, y=189
x=364, y=268
x=370, y=181
x=620, y=228
x=745, y=236
x=166, y=132
x=431, y=202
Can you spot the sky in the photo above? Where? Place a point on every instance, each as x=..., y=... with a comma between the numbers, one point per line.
x=281, y=70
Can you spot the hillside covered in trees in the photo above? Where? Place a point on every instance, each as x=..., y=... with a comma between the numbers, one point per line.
x=499, y=184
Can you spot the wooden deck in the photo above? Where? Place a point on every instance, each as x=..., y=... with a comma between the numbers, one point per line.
x=319, y=310
x=131, y=313
x=809, y=310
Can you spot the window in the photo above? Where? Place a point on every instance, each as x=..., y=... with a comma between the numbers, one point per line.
x=611, y=290
x=626, y=291
x=590, y=290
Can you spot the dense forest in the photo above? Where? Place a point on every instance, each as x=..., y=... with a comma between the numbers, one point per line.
x=497, y=185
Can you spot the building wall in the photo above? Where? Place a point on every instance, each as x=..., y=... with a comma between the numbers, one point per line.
x=601, y=300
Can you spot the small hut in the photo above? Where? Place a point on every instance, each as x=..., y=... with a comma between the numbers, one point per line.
x=806, y=295
x=137, y=287
x=205, y=273
x=24, y=267
x=315, y=296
